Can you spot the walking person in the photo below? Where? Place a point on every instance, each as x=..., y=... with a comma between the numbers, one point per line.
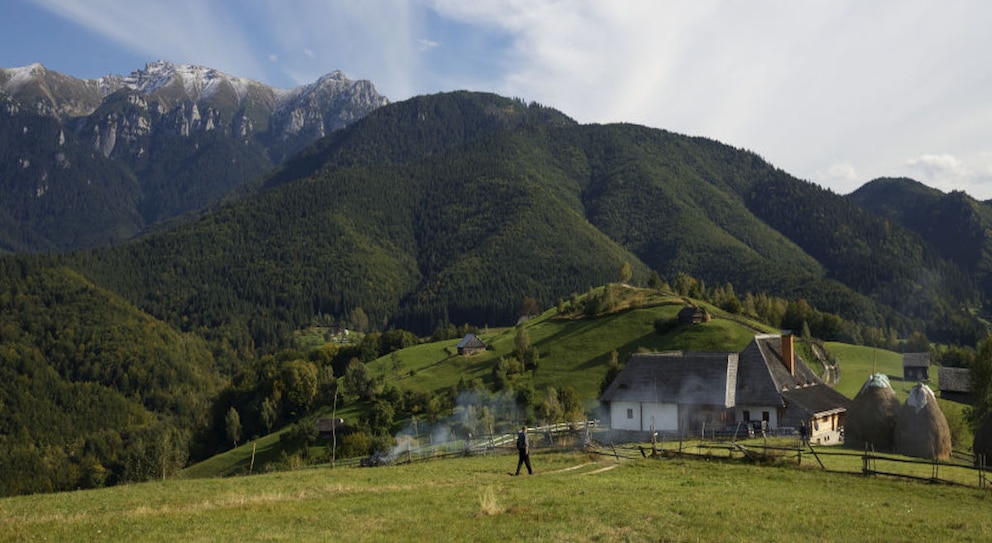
x=523, y=451
x=803, y=434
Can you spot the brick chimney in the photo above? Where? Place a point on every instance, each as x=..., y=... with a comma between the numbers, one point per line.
x=788, y=352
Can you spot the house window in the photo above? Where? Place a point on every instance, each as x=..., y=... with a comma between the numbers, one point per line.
x=747, y=415
x=764, y=416
x=630, y=413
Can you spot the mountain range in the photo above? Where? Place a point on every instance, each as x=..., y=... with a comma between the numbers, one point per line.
x=87, y=163
x=444, y=208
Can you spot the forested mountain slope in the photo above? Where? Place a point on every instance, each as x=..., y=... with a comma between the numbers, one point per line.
x=92, y=390
x=450, y=208
x=955, y=224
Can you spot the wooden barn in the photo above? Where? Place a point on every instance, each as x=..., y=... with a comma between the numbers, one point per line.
x=954, y=384
x=916, y=366
x=692, y=314
x=683, y=392
x=471, y=344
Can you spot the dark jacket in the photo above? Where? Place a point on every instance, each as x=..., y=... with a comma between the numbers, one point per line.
x=522, y=443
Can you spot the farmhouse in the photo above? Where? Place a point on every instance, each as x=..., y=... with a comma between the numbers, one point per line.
x=684, y=392
x=669, y=391
x=955, y=384
x=471, y=344
x=916, y=366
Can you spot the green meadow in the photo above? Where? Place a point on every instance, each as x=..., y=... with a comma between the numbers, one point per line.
x=572, y=497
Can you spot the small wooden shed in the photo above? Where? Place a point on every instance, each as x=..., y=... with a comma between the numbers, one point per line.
x=692, y=314
x=916, y=366
x=471, y=344
x=954, y=384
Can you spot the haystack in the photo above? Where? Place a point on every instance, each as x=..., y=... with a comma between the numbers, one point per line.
x=983, y=440
x=871, y=419
x=922, y=429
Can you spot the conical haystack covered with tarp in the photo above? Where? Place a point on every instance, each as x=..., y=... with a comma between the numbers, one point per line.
x=871, y=419
x=922, y=429
x=983, y=440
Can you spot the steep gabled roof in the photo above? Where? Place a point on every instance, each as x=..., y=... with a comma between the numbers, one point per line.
x=817, y=399
x=916, y=360
x=471, y=341
x=685, y=378
x=954, y=379
x=762, y=376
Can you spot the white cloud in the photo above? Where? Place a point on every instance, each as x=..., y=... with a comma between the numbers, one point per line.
x=309, y=53
x=186, y=31
x=936, y=165
x=972, y=174
x=425, y=44
x=273, y=57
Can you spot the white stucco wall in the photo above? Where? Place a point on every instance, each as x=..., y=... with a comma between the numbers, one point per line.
x=756, y=413
x=619, y=419
x=665, y=417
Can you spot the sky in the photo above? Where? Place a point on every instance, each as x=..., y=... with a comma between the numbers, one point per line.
x=836, y=92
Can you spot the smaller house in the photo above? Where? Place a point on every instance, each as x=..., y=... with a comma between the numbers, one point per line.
x=471, y=344
x=329, y=426
x=692, y=314
x=916, y=366
x=955, y=384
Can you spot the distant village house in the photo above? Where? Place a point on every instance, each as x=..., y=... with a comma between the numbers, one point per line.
x=471, y=344
x=692, y=314
x=326, y=427
x=954, y=384
x=916, y=366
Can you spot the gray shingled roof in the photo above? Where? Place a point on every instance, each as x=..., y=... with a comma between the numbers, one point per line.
x=471, y=341
x=954, y=379
x=916, y=360
x=817, y=399
x=762, y=377
x=756, y=376
x=686, y=378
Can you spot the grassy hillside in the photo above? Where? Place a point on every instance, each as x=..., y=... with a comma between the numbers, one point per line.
x=572, y=497
x=574, y=352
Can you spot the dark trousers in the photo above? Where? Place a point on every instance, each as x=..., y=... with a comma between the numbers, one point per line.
x=524, y=458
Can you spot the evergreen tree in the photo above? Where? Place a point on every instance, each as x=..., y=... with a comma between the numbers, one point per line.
x=232, y=424
x=625, y=273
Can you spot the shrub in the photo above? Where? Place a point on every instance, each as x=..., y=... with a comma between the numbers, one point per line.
x=665, y=325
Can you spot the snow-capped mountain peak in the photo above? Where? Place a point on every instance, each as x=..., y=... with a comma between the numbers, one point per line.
x=198, y=82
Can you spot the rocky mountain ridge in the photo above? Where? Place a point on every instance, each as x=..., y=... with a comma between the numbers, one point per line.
x=158, y=127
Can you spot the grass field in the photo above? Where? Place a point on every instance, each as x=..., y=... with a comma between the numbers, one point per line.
x=572, y=497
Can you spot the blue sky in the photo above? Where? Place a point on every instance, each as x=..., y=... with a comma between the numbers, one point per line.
x=834, y=91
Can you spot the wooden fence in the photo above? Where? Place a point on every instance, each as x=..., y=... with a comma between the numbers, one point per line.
x=961, y=469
